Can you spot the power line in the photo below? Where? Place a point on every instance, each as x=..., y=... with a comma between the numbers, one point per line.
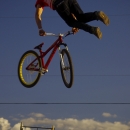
x=2, y=17
x=91, y=103
x=91, y=75
x=27, y=17
x=120, y=15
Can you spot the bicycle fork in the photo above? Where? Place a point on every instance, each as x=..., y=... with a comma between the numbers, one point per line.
x=60, y=54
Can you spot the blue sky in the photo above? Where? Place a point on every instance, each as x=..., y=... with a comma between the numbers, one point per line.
x=101, y=69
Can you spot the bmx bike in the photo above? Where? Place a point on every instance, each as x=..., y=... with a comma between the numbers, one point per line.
x=32, y=65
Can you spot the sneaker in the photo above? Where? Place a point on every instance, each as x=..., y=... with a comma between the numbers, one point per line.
x=103, y=17
x=96, y=31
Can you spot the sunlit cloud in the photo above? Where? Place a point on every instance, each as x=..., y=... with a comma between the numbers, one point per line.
x=17, y=127
x=75, y=124
x=4, y=124
x=38, y=119
x=15, y=119
x=20, y=115
x=105, y=114
x=37, y=115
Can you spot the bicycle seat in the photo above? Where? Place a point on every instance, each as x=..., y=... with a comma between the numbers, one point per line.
x=39, y=46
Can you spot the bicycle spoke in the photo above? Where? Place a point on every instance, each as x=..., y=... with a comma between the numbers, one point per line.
x=28, y=69
x=66, y=69
x=30, y=74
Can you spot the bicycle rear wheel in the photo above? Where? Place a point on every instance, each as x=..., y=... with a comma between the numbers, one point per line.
x=29, y=77
x=66, y=68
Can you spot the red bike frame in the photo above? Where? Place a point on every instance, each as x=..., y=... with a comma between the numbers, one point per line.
x=54, y=46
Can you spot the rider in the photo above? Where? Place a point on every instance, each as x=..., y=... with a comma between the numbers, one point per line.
x=72, y=14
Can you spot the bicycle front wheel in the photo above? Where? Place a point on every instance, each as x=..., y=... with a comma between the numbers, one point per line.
x=66, y=68
x=28, y=69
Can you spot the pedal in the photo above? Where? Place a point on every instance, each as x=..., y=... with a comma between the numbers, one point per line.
x=43, y=71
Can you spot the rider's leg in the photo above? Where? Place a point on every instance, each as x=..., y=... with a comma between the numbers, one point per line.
x=87, y=17
x=80, y=15
x=92, y=30
x=66, y=7
x=65, y=13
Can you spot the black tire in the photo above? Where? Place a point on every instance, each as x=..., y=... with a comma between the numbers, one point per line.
x=67, y=71
x=26, y=80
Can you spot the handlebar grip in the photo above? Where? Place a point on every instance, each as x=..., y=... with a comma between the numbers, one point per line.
x=50, y=34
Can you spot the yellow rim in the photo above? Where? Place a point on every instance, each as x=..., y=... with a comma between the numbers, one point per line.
x=21, y=72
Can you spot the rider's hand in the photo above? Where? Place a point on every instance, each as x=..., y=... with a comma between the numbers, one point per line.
x=75, y=30
x=42, y=32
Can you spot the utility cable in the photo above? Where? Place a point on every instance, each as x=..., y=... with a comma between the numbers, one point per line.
x=85, y=103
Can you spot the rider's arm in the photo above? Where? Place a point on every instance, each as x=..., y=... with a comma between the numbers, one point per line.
x=38, y=13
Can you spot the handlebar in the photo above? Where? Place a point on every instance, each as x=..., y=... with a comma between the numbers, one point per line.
x=61, y=34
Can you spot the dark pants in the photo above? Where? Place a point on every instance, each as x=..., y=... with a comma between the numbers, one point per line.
x=65, y=8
